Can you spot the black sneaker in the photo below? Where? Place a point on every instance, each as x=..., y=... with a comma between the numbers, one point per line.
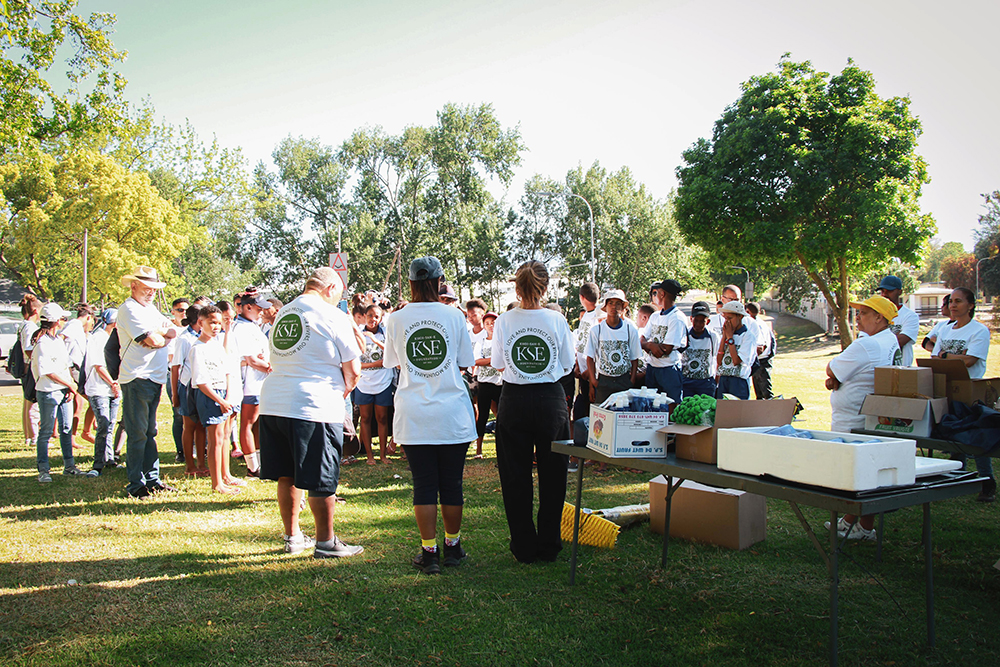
x=110, y=464
x=160, y=487
x=989, y=492
x=141, y=494
x=253, y=474
x=428, y=562
x=453, y=555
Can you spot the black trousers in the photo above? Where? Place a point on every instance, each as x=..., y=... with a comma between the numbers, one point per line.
x=531, y=417
x=762, y=381
x=487, y=394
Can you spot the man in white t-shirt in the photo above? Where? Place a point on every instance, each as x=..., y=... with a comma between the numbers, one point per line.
x=906, y=324
x=144, y=334
x=717, y=321
x=314, y=361
x=663, y=338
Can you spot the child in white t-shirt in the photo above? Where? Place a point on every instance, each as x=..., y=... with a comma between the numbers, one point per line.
x=210, y=379
x=612, y=350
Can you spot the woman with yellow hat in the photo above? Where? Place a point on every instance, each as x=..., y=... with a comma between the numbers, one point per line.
x=851, y=376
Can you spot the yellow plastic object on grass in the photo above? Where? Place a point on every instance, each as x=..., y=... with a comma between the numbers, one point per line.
x=595, y=531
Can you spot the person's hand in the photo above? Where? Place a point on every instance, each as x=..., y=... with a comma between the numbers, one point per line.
x=169, y=333
x=593, y=392
x=176, y=400
x=832, y=383
x=117, y=391
x=225, y=406
x=656, y=350
x=727, y=331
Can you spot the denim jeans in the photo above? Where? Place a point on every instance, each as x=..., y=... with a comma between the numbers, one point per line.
x=52, y=404
x=140, y=398
x=105, y=414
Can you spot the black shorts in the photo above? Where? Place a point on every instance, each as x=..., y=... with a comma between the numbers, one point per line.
x=437, y=470
x=308, y=452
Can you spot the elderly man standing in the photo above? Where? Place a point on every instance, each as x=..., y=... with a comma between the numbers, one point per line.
x=144, y=334
x=315, y=364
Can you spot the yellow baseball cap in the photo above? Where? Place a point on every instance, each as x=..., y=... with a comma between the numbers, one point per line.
x=880, y=305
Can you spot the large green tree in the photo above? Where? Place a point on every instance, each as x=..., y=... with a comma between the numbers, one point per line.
x=636, y=237
x=48, y=203
x=812, y=169
x=57, y=73
x=427, y=189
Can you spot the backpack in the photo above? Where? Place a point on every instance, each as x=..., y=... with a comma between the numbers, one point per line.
x=15, y=360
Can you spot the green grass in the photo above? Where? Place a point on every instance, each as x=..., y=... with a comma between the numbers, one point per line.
x=197, y=579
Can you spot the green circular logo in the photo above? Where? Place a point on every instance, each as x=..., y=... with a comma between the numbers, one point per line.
x=426, y=349
x=897, y=358
x=287, y=331
x=530, y=355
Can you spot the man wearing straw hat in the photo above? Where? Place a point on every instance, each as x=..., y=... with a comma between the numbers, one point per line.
x=143, y=334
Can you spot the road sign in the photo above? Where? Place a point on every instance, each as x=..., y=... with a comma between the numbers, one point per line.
x=338, y=262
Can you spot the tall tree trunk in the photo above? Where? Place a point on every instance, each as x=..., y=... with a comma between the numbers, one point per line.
x=837, y=302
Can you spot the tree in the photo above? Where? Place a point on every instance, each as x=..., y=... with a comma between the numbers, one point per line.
x=39, y=106
x=936, y=254
x=427, y=188
x=635, y=236
x=960, y=272
x=811, y=169
x=49, y=203
x=988, y=243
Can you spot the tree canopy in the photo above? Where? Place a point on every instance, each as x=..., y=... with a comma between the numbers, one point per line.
x=811, y=169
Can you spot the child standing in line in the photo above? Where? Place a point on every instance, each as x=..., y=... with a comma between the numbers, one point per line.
x=612, y=350
x=193, y=433
x=209, y=377
x=699, y=358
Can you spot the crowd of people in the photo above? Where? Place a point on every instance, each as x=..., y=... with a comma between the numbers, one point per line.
x=288, y=387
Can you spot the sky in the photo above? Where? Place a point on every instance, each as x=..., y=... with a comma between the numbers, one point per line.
x=628, y=83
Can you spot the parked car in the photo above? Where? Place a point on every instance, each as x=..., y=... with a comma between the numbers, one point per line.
x=8, y=335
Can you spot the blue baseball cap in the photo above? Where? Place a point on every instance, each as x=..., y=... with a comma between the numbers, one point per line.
x=890, y=283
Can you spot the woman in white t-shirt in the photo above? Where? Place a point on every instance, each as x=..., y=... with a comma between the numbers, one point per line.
x=434, y=420
x=851, y=377
x=969, y=341
x=931, y=338
x=50, y=364
x=533, y=349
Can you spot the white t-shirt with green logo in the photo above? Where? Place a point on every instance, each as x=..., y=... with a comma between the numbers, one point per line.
x=973, y=339
x=532, y=346
x=587, y=321
x=430, y=344
x=483, y=349
x=374, y=380
x=907, y=323
x=667, y=328
x=310, y=341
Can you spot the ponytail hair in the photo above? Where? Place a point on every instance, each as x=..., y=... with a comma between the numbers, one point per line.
x=531, y=281
x=29, y=305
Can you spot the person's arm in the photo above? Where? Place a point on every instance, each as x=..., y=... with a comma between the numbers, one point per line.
x=635, y=371
x=154, y=340
x=903, y=339
x=371, y=364
x=831, y=380
x=208, y=391
x=56, y=377
x=110, y=381
x=591, y=379
x=351, y=369
x=175, y=372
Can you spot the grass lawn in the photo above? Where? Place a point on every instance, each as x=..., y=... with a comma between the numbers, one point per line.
x=197, y=579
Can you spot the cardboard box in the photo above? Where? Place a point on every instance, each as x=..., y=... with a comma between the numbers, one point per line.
x=725, y=517
x=906, y=416
x=940, y=385
x=862, y=463
x=627, y=434
x=960, y=387
x=699, y=443
x=903, y=381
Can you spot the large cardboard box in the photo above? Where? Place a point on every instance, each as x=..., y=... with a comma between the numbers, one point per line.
x=862, y=463
x=725, y=517
x=960, y=387
x=627, y=434
x=699, y=443
x=940, y=385
x=905, y=416
x=904, y=381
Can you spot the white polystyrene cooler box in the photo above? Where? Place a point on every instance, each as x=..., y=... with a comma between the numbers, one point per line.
x=862, y=463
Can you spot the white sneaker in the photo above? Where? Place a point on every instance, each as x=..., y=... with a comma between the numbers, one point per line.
x=336, y=548
x=296, y=544
x=858, y=533
x=842, y=525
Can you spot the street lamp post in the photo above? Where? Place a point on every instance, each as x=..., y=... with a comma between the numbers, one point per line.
x=746, y=285
x=593, y=261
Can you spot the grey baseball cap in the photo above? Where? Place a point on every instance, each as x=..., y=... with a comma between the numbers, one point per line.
x=701, y=308
x=425, y=268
